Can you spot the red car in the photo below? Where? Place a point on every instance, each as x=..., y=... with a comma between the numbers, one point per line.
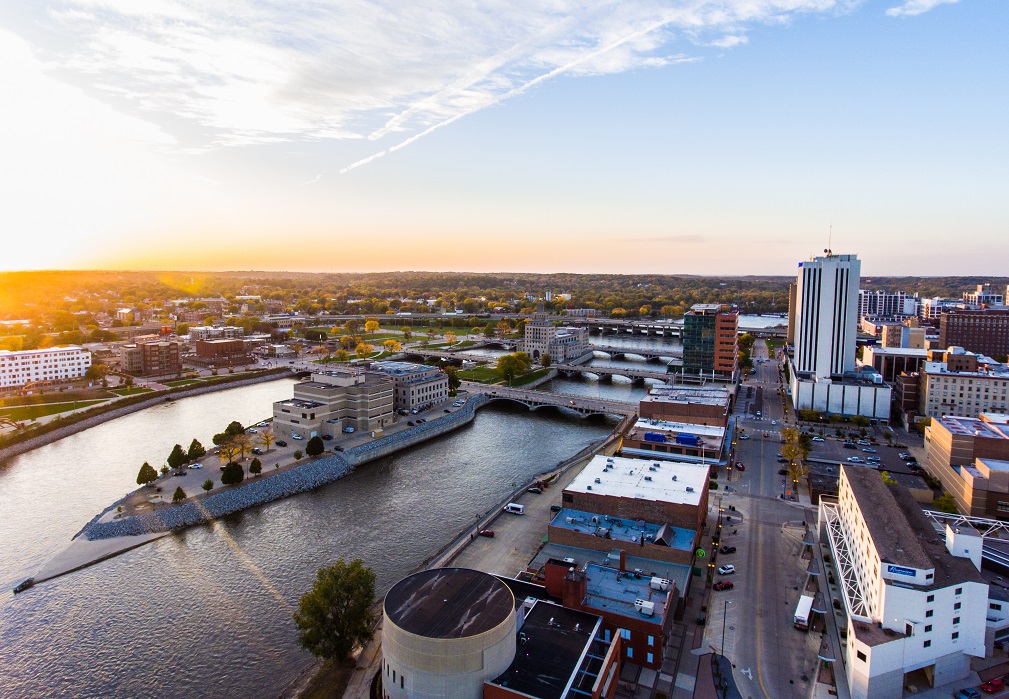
x=722, y=585
x=767, y=434
x=489, y=533
x=992, y=686
x=739, y=466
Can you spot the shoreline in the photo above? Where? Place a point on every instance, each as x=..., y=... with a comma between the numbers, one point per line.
x=111, y=411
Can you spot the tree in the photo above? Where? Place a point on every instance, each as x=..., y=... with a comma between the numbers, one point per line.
x=96, y=372
x=352, y=326
x=335, y=616
x=129, y=382
x=242, y=444
x=179, y=495
x=453, y=378
x=227, y=452
x=233, y=473
x=363, y=350
x=503, y=327
x=488, y=330
x=945, y=503
x=392, y=345
x=451, y=337
x=182, y=329
x=298, y=455
x=178, y=457
x=371, y=326
x=407, y=333
x=147, y=474
x=341, y=355
x=510, y=365
x=267, y=438
x=196, y=450
x=208, y=485
x=546, y=361
x=255, y=467
x=347, y=341
x=234, y=428
x=165, y=470
x=314, y=446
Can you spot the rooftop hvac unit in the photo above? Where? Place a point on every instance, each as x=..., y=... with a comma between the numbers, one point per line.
x=568, y=560
x=659, y=584
x=674, y=478
x=648, y=478
x=689, y=489
x=594, y=520
x=569, y=520
x=588, y=487
x=644, y=607
x=653, y=468
x=597, y=481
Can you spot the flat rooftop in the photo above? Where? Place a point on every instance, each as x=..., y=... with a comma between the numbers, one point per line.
x=619, y=529
x=551, y=644
x=300, y=403
x=674, y=572
x=995, y=464
x=658, y=480
x=688, y=394
x=610, y=590
x=709, y=437
x=897, y=351
x=972, y=426
x=400, y=368
x=449, y=603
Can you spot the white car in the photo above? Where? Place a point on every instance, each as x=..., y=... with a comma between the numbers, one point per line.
x=297, y=436
x=727, y=570
x=854, y=460
x=253, y=430
x=774, y=422
x=196, y=466
x=818, y=439
x=745, y=436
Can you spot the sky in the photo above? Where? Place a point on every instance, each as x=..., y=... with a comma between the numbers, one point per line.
x=630, y=136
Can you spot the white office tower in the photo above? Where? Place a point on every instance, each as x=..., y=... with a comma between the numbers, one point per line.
x=826, y=315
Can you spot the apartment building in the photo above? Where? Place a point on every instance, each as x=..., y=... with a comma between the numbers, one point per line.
x=984, y=295
x=710, y=340
x=42, y=366
x=886, y=304
x=985, y=331
x=959, y=383
x=915, y=601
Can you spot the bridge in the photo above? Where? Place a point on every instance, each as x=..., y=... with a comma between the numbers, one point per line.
x=534, y=400
x=445, y=354
x=613, y=326
x=609, y=372
x=994, y=533
x=647, y=353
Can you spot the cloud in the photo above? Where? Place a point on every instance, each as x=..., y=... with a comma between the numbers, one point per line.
x=268, y=71
x=684, y=238
x=912, y=8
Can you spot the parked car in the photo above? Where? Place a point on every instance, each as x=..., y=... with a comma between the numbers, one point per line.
x=967, y=693
x=327, y=437
x=489, y=533
x=864, y=442
x=849, y=445
x=740, y=466
x=252, y=430
x=993, y=685
x=727, y=549
x=447, y=410
x=874, y=459
x=281, y=443
x=819, y=439
x=727, y=570
x=555, y=508
x=869, y=450
x=196, y=466
x=421, y=421
x=782, y=472
x=348, y=429
x=854, y=459
x=534, y=489
x=257, y=451
x=723, y=585
x=411, y=423
x=338, y=448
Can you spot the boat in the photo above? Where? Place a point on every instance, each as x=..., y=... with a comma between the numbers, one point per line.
x=24, y=585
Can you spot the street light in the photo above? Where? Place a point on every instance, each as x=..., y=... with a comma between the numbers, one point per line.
x=725, y=612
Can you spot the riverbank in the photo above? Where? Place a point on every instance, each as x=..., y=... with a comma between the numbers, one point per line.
x=92, y=417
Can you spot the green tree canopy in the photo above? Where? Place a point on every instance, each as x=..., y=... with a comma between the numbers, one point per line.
x=945, y=503
x=178, y=495
x=335, y=616
x=178, y=457
x=208, y=484
x=233, y=473
x=255, y=467
x=147, y=474
x=234, y=428
x=196, y=450
x=314, y=446
x=454, y=382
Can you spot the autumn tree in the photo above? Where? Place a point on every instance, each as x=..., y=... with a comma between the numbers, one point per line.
x=267, y=438
x=371, y=326
x=363, y=350
x=336, y=615
x=392, y=345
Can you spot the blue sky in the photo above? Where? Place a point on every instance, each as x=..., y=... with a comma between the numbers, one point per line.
x=687, y=136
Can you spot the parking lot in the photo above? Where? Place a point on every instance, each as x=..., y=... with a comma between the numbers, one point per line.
x=832, y=449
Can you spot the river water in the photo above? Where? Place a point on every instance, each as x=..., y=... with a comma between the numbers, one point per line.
x=207, y=612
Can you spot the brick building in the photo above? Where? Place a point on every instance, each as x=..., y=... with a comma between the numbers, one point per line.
x=710, y=342
x=229, y=352
x=701, y=406
x=970, y=457
x=984, y=331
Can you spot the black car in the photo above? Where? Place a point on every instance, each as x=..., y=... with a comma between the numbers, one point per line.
x=534, y=489
x=257, y=451
x=447, y=410
x=327, y=437
x=338, y=448
x=281, y=443
x=727, y=549
x=555, y=508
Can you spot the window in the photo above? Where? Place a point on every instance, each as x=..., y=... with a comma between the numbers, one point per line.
x=651, y=658
x=930, y=598
x=996, y=607
x=955, y=635
x=625, y=634
x=926, y=644
x=956, y=620
x=928, y=627
x=928, y=613
x=958, y=591
x=630, y=652
x=651, y=640
x=956, y=606
x=860, y=655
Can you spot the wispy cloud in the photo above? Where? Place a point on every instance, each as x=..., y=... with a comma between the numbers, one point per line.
x=684, y=238
x=273, y=70
x=916, y=7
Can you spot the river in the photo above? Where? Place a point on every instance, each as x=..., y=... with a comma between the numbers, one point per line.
x=207, y=612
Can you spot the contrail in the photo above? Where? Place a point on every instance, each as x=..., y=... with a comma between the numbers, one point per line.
x=514, y=91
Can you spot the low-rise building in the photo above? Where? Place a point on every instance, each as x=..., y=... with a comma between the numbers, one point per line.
x=890, y=362
x=42, y=367
x=858, y=393
x=915, y=601
x=655, y=491
x=692, y=404
x=679, y=441
x=160, y=357
x=564, y=344
x=415, y=386
x=970, y=457
x=637, y=537
x=220, y=353
x=333, y=401
x=208, y=332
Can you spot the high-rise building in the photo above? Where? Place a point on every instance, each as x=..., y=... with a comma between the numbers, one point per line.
x=42, y=366
x=826, y=315
x=886, y=304
x=710, y=341
x=984, y=295
x=985, y=331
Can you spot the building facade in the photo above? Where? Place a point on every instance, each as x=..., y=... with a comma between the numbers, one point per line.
x=229, y=352
x=826, y=315
x=160, y=357
x=959, y=383
x=563, y=344
x=333, y=401
x=42, y=366
x=985, y=331
x=710, y=340
x=916, y=604
x=984, y=295
x=886, y=304
x=970, y=456
x=415, y=386
x=694, y=404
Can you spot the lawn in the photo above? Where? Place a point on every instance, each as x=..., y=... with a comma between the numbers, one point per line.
x=131, y=391
x=31, y=412
x=182, y=382
x=530, y=377
x=481, y=374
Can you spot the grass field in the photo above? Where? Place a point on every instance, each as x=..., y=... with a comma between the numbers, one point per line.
x=481, y=374
x=31, y=412
x=530, y=377
x=131, y=391
x=182, y=382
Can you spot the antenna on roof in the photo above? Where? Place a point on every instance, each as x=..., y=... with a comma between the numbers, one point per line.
x=830, y=234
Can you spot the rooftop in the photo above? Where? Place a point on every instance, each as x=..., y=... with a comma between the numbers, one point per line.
x=707, y=437
x=674, y=572
x=995, y=464
x=688, y=394
x=449, y=603
x=300, y=403
x=972, y=426
x=401, y=368
x=551, y=645
x=662, y=481
x=619, y=529
x=610, y=590
x=897, y=351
